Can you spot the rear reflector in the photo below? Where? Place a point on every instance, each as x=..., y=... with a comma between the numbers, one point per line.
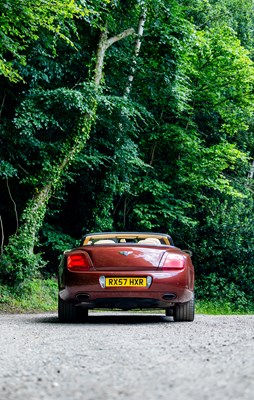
x=173, y=261
x=78, y=262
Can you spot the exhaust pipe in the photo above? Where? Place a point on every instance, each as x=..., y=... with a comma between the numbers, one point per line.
x=82, y=297
x=169, y=296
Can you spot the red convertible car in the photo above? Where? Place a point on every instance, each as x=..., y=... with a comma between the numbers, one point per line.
x=126, y=270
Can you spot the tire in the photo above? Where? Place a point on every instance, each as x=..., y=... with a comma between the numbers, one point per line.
x=82, y=314
x=169, y=312
x=184, y=312
x=67, y=312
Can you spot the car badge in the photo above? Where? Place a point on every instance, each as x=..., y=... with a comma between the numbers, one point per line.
x=125, y=253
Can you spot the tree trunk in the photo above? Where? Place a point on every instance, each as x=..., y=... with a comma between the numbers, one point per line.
x=141, y=24
x=251, y=172
x=126, y=94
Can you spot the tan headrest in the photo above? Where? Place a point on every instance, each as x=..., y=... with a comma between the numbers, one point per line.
x=150, y=241
x=104, y=241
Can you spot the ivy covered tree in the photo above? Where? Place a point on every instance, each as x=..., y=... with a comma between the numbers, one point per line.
x=40, y=112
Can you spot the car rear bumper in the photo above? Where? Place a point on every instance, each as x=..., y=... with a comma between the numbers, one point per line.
x=126, y=300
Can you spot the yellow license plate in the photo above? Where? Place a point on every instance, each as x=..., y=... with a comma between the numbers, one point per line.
x=126, y=282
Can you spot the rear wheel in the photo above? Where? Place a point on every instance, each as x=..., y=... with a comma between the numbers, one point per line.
x=184, y=312
x=67, y=312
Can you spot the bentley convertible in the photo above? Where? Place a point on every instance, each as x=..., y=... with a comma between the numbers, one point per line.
x=126, y=270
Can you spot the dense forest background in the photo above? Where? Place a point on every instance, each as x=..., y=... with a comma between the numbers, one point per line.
x=128, y=115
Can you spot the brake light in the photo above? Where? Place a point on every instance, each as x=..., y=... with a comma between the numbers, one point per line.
x=78, y=262
x=173, y=261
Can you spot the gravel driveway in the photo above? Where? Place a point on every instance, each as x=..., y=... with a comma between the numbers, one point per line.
x=126, y=356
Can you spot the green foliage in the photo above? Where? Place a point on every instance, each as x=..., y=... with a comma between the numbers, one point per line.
x=223, y=77
x=237, y=14
x=17, y=265
x=57, y=240
x=221, y=307
x=231, y=299
x=21, y=24
x=224, y=253
x=52, y=242
x=30, y=296
x=7, y=170
x=172, y=156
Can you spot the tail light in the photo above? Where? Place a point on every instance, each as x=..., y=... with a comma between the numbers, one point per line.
x=173, y=261
x=78, y=262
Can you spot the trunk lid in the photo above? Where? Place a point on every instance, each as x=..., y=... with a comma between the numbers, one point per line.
x=125, y=258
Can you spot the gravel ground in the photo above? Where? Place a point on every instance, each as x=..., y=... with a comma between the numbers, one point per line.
x=126, y=356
